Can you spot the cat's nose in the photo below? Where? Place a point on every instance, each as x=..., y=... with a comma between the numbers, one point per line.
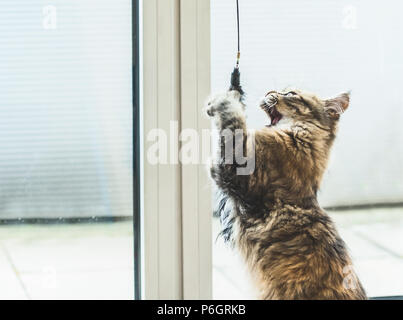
x=271, y=98
x=272, y=93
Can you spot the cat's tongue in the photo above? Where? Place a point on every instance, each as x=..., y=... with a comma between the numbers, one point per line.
x=275, y=120
x=275, y=117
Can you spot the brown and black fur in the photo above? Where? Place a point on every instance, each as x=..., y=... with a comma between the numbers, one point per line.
x=272, y=215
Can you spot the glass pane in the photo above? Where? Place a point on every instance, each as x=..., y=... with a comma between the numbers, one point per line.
x=328, y=47
x=66, y=190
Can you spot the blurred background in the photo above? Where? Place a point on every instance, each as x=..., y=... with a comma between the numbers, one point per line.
x=66, y=191
x=328, y=47
x=65, y=112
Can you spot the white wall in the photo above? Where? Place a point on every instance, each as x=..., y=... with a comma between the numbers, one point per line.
x=327, y=47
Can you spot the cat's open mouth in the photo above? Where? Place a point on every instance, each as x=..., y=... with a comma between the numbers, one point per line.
x=269, y=106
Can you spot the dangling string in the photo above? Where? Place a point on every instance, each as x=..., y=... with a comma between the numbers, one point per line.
x=235, y=76
x=238, y=56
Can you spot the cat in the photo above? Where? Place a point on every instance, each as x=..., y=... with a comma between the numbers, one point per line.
x=272, y=215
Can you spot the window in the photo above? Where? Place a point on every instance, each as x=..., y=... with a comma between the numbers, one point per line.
x=328, y=47
x=67, y=195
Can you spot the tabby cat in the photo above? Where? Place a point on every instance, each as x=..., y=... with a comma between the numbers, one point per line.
x=272, y=215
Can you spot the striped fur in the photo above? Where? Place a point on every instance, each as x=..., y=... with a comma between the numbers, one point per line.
x=272, y=216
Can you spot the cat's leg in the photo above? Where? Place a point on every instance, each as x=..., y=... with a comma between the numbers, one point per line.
x=227, y=110
x=235, y=145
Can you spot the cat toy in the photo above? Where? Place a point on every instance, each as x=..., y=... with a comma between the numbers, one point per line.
x=236, y=75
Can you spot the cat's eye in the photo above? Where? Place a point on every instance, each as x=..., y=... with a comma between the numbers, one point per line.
x=291, y=93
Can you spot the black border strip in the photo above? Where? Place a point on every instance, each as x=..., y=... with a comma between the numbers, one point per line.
x=136, y=146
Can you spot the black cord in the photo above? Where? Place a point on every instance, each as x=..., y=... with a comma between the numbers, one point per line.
x=237, y=22
x=236, y=76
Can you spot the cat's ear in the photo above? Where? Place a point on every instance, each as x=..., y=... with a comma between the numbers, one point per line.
x=334, y=107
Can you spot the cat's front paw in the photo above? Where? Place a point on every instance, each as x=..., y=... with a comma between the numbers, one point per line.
x=210, y=110
x=213, y=104
x=221, y=102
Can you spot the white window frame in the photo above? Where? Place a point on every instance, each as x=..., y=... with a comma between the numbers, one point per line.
x=176, y=206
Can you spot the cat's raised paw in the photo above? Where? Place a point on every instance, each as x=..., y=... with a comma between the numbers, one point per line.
x=234, y=94
x=216, y=103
